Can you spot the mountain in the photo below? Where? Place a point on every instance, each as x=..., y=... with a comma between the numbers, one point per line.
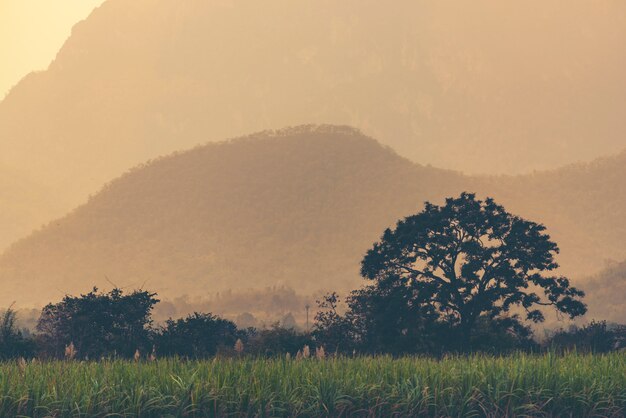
x=24, y=203
x=583, y=206
x=608, y=292
x=297, y=207
x=471, y=86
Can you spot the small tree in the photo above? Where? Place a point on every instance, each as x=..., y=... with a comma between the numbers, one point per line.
x=471, y=258
x=13, y=344
x=98, y=324
x=331, y=329
x=379, y=320
x=197, y=336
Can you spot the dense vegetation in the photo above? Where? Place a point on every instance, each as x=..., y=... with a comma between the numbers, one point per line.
x=101, y=327
x=537, y=385
x=284, y=372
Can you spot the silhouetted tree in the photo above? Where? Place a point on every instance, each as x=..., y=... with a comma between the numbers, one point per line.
x=378, y=320
x=198, y=335
x=381, y=321
x=467, y=259
x=387, y=320
x=98, y=324
x=13, y=344
x=335, y=331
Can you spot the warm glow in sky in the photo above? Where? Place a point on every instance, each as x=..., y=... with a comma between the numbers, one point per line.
x=32, y=32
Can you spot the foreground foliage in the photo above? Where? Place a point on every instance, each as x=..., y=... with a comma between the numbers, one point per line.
x=546, y=385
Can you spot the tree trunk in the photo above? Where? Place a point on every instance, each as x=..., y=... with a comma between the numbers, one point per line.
x=465, y=331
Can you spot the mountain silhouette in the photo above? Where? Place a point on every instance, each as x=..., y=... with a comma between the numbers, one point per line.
x=296, y=207
x=469, y=87
x=22, y=201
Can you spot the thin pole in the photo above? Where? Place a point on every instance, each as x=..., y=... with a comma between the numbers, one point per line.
x=307, y=317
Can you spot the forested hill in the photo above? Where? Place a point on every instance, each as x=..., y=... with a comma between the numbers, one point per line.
x=143, y=78
x=607, y=291
x=583, y=206
x=297, y=207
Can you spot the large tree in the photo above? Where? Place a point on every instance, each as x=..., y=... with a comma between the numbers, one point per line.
x=98, y=324
x=470, y=259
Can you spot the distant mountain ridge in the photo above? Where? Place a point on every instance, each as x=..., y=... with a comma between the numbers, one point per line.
x=296, y=207
x=465, y=86
x=22, y=200
x=258, y=209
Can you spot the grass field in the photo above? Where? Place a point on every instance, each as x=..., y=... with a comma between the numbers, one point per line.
x=535, y=385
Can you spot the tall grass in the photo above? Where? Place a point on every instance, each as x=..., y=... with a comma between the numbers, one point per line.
x=535, y=385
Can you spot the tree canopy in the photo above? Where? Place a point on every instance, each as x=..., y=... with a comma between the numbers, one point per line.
x=471, y=258
x=98, y=324
x=196, y=336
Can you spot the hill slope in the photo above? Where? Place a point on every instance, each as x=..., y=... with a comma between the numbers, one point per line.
x=24, y=204
x=297, y=207
x=608, y=293
x=145, y=78
x=583, y=205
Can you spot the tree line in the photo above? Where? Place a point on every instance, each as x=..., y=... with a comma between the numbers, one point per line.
x=461, y=277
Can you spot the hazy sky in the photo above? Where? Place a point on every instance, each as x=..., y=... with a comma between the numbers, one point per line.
x=31, y=33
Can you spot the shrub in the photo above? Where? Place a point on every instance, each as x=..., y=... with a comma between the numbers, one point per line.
x=277, y=341
x=199, y=335
x=13, y=343
x=595, y=337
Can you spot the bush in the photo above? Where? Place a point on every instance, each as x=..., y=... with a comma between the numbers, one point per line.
x=199, y=335
x=13, y=344
x=277, y=341
x=595, y=337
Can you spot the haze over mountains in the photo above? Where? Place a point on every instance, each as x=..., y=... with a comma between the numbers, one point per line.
x=607, y=292
x=141, y=79
x=297, y=207
x=480, y=87
x=22, y=201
